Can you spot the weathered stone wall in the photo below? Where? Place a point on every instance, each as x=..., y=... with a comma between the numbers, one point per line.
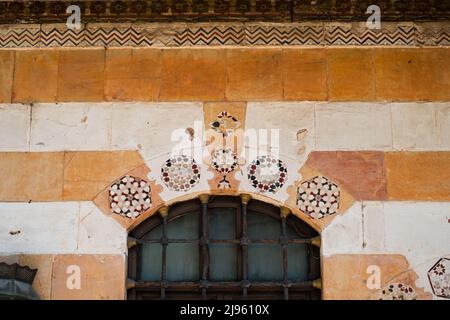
x=218, y=74
x=372, y=123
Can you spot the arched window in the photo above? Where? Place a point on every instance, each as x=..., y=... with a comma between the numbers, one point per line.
x=223, y=247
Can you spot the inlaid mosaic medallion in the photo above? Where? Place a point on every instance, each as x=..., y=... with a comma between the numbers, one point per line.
x=318, y=197
x=224, y=161
x=439, y=276
x=225, y=123
x=397, y=291
x=130, y=196
x=180, y=173
x=267, y=174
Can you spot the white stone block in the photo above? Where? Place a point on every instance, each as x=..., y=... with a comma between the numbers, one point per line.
x=71, y=126
x=287, y=119
x=418, y=230
x=353, y=126
x=373, y=226
x=14, y=127
x=344, y=234
x=414, y=126
x=443, y=123
x=154, y=128
x=38, y=228
x=99, y=233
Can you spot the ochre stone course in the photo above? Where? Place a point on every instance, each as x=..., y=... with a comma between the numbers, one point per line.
x=254, y=74
x=6, y=75
x=81, y=75
x=35, y=75
x=88, y=173
x=132, y=74
x=304, y=74
x=31, y=176
x=418, y=176
x=233, y=74
x=351, y=75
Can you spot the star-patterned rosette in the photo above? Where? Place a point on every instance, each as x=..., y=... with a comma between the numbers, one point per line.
x=267, y=174
x=130, y=196
x=439, y=276
x=225, y=124
x=180, y=173
x=397, y=291
x=224, y=161
x=318, y=197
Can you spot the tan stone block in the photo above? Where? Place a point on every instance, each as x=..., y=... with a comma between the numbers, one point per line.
x=434, y=78
x=254, y=74
x=132, y=74
x=193, y=74
x=351, y=74
x=10, y=259
x=42, y=283
x=102, y=277
x=31, y=176
x=304, y=74
x=362, y=173
x=88, y=173
x=411, y=74
x=6, y=75
x=344, y=277
x=35, y=76
x=418, y=175
x=81, y=74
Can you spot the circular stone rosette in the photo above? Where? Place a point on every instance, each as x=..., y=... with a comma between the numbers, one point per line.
x=180, y=173
x=267, y=174
x=130, y=196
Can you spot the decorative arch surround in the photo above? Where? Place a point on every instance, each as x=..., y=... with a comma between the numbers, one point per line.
x=226, y=154
x=216, y=247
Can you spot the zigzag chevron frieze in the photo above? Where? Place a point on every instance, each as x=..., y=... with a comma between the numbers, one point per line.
x=238, y=34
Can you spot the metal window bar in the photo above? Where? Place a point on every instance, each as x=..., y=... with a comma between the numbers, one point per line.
x=283, y=242
x=164, y=243
x=229, y=241
x=204, y=240
x=244, y=246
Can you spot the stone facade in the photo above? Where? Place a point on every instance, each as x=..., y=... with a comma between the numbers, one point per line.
x=351, y=134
